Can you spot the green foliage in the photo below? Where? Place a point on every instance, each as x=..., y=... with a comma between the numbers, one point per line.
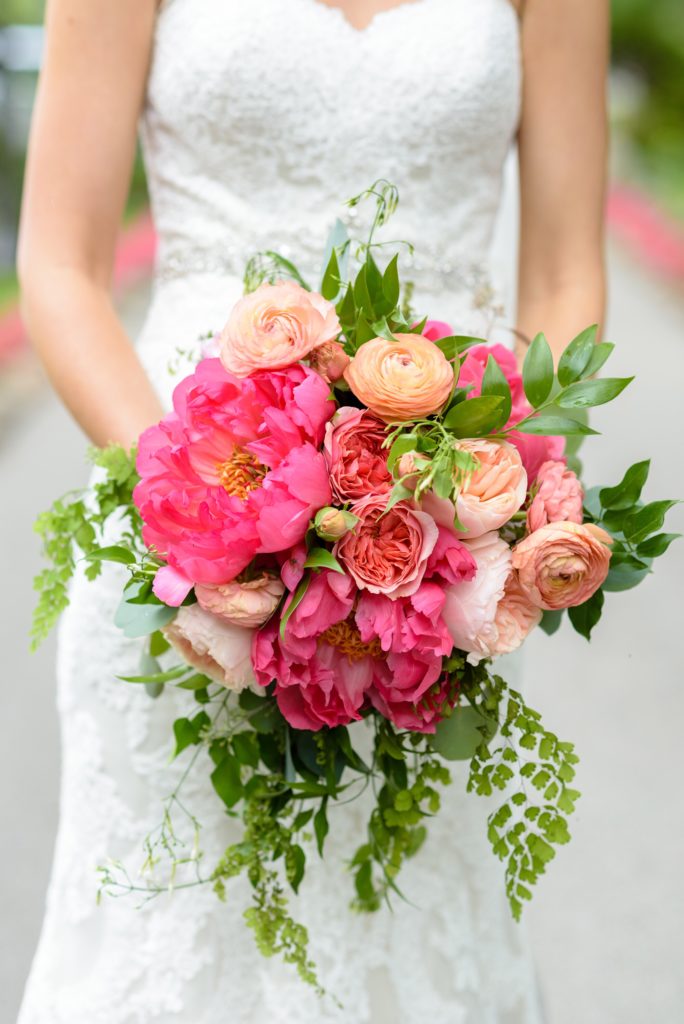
x=73, y=525
x=534, y=769
x=538, y=373
x=637, y=540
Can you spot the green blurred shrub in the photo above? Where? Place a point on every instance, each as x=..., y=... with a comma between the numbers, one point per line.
x=648, y=39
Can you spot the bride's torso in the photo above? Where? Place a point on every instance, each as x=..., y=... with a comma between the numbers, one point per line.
x=263, y=116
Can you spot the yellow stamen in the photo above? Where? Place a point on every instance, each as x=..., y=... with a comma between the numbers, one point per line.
x=241, y=473
x=347, y=639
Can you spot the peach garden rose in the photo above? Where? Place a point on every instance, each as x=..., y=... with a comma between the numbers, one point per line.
x=496, y=488
x=214, y=647
x=274, y=326
x=387, y=552
x=562, y=564
x=247, y=604
x=400, y=380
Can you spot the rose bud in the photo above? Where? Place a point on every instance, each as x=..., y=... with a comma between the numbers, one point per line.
x=332, y=523
x=330, y=360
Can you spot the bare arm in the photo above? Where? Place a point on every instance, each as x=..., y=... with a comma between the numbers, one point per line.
x=562, y=153
x=80, y=156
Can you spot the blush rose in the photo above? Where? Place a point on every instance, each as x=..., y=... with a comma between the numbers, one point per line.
x=562, y=564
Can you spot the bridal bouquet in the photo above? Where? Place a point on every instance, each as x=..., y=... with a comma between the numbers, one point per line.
x=348, y=516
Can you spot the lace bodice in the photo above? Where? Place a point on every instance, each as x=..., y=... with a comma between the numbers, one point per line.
x=261, y=117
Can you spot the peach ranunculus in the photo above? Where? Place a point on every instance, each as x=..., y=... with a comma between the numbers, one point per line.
x=400, y=380
x=214, y=647
x=249, y=604
x=274, y=326
x=355, y=455
x=558, y=496
x=496, y=488
x=387, y=552
x=562, y=564
x=470, y=608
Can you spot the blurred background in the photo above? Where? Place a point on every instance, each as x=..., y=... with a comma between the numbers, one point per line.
x=607, y=923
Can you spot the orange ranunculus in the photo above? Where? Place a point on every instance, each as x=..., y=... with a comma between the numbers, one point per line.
x=275, y=326
x=562, y=564
x=400, y=380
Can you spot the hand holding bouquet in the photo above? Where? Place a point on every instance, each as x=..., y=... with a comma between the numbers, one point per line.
x=348, y=515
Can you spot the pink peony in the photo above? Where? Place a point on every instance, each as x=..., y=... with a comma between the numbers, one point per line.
x=275, y=326
x=437, y=329
x=407, y=624
x=416, y=694
x=214, y=647
x=388, y=552
x=322, y=669
x=562, y=564
x=249, y=604
x=355, y=456
x=533, y=450
x=559, y=497
x=470, y=609
x=233, y=471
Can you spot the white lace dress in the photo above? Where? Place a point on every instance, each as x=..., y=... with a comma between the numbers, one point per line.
x=261, y=117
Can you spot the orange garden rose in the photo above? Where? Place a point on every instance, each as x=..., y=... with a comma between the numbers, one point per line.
x=562, y=564
x=402, y=379
x=515, y=618
x=274, y=326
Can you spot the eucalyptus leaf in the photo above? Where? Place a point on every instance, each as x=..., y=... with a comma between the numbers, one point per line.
x=115, y=553
x=656, y=545
x=601, y=352
x=136, y=620
x=226, y=780
x=552, y=425
x=575, y=358
x=586, y=394
x=585, y=616
x=495, y=383
x=626, y=494
x=538, y=371
x=476, y=417
x=455, y=344
x=551, y=622
x=645, y=521
x=321, y=558
x=330, y=285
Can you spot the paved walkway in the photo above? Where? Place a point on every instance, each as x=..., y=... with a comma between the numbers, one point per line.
x=606, y=924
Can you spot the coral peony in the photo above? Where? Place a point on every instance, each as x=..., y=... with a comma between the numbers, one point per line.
x=470, y=608
x=213, y=646
x=533, y=450
x=559, y=497
x=233, y=471
x=275, y=326
x=247, y=604
x=400, y=380
x=355, y=456
x=388, y=552
x=562, y=564
x=496, y=488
